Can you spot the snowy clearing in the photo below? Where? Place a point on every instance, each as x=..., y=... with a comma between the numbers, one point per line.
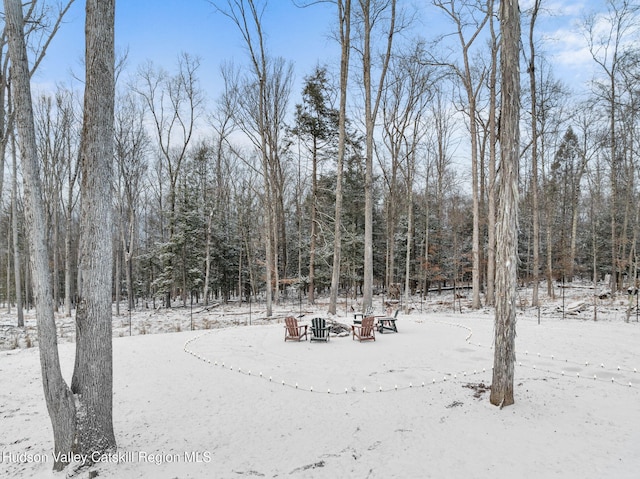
x=238, y=401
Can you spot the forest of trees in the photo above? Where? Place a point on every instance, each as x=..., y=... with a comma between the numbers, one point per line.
x=217, y=198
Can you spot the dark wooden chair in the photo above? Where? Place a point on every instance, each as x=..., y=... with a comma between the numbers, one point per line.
x=364, y=331
x=292, y=331
x=319, y=330
x=388, y=324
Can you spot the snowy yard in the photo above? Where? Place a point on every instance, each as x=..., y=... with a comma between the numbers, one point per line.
x=238, y=401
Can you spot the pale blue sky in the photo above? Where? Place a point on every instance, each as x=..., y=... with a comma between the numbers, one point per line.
x=159, y=30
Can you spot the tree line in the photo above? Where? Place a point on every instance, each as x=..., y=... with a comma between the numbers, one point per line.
x=237, y=198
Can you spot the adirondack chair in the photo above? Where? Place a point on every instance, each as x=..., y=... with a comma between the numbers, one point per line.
x=293, y=332
x=319, y=330
x=364, y=331
x=388, y=324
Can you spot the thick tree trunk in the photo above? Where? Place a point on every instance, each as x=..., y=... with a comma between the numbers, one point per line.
x=93, y=373
x=502, y=393
x=58, y=397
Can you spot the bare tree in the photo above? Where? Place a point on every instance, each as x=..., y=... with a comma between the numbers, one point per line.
x=222, y=122
x=371, y=12
x=41, y=23
x=92, y=381
x=131, y=147
x=404, y=105
x=14, y=227
x=262, y=108
x=531, y=70
x=507, y=225
x=344, y=22
x=471, y=16
x=81, y=416
x=58, y=396
x=174, y=103
x=442, y=132
x=607, y=37
x=65, y=100
x=491, y=189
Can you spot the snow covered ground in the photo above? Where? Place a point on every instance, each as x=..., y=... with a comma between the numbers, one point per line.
x=235, y=400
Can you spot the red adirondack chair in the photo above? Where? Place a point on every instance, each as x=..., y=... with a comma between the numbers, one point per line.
x=364, y=331
x=293, y=332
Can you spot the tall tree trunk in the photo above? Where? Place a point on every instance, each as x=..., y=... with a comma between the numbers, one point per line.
x=314, y=225
x=58, y=397
x=67, y=253
x=507, y=227
x=475, y=241
x=72, y=176
x=118, y=253
x=344, y=19
x=54, y=249
x=491, y=221
x=8, y=294
x=548, y=209
x=371, y=109
x=367, y=298
x=207, y=260
x=534, y=156
x=16, y=243
x=92, y=380
x=407, y=277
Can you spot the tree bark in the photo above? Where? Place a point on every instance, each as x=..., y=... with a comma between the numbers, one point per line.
x=58, y=397
x=507, y=227
x=93, y=372
x=344, y=19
